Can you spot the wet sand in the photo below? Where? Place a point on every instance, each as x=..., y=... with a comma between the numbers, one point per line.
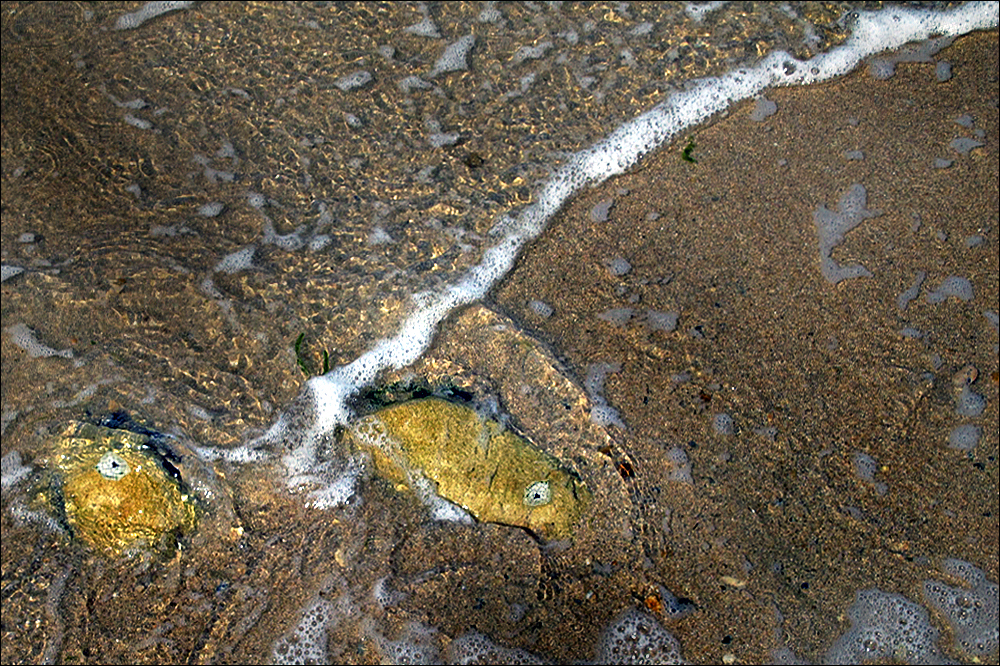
x=777, y=529
x=763, y=337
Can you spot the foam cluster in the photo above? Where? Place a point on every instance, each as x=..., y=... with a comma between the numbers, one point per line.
x=12, y=471
x=415, y=645
x=8, y=271
x=305, y=643
x=832, y=226
x=886, y=627
x=148, y=11
x=971, y=611
x=638, y=638
x=952, y=286
x=25, y=338
x=454, y=57
x=476, y=648
x=601, y=412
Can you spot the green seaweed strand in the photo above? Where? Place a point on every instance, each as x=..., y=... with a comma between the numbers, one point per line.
x=298, y=356
x=300, y=359
x=686, y=153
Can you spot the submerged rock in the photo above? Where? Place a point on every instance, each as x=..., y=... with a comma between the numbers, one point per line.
x=116, y=489
x=496, y=475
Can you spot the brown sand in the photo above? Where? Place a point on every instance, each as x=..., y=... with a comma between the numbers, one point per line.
x=774, y=535
x=763, y=337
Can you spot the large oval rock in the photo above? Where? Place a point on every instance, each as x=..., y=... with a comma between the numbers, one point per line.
x=496, y=475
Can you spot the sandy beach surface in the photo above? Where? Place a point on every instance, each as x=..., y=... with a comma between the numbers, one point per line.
x=206, y=205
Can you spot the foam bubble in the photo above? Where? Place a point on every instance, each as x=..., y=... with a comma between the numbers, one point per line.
x=211, y=209
x=952, y=286
x=24, y=337
x=354, y=81
x=662, y=321
x=619, y=266
x=12, y=470
x=904, y=299
x=833, y=226
x=763, y=109
x=722, y=424
x=964, y=437
x=969, y=403
x=601, y=210
x=964, y=145
x=617, y=316
x=680, y=466
x=601, y=412
x=866, y=468
x=8, y=271
x=148, y=11
x=454, y=57
x=236, y=261
x=541, y=308
x=425, y=28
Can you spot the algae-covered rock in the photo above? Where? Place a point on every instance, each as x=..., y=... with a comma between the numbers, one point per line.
x=117, y=488
x=496, y=475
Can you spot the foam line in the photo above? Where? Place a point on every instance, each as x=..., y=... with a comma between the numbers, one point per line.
x=872, y=32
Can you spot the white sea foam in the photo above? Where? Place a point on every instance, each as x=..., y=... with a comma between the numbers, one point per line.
x=150, y=10
x=872, y=32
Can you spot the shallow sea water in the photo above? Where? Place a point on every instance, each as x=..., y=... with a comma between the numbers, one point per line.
x=334, y=206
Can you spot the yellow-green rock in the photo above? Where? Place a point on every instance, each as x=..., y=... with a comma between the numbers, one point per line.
x=476, y=463
x=116, y=490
